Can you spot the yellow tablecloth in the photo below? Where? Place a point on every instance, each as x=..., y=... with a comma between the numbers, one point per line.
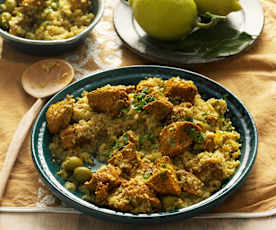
x=251, y=76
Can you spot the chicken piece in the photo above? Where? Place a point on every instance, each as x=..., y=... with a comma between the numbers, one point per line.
x=189, y=182
x=159, y=108
x=105, y=179
x=164, y=180
x=210, y=169
x=177, y=137
x=108, y=99
x=134, y=196
x=59, y=115
x=126, y=159
x=178, y=89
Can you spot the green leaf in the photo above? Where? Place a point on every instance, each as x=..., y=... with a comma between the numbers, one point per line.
x=230, y=46
x=220, y=40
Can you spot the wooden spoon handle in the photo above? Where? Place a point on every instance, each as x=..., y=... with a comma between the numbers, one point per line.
x=16, y=142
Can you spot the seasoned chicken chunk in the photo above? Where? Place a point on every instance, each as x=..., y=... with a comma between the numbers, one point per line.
x=189, y=182
x=135, y=197
x=125, y=159
x=177, y=137
x=210, y=169
x=164, y=180
x=159, y=108
x=105, y=179
x=58, y=115
x=108, y=99
x=181, y=90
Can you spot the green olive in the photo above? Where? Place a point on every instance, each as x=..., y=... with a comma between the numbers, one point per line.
x=71, y=163
x=10, y=5
x=82, y=174
x=70, y=186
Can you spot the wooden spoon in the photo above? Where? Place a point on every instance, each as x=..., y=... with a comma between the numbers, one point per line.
x=40, y=80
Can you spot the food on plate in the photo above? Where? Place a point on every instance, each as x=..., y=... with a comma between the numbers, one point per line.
x=163, y=146
x=222, y=7
x=45, y=19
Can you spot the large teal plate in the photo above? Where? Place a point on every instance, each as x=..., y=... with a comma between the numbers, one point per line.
x=238, y=113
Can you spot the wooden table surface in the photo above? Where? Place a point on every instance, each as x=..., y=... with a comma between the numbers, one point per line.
x=47, y=221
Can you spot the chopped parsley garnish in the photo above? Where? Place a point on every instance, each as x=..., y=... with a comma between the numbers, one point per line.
x=187, y=119
x=197, y=137
x=121, y=143
x=125, y=114
x=125, y=136
x=145, y=90
x=108, y=155
x=141, y=140
x=147, y=175
x=149, y=137
x=125, y=110
x=141, y=99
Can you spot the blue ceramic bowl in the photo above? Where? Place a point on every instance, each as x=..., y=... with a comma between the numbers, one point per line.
x=238, y=113
x=46, y=48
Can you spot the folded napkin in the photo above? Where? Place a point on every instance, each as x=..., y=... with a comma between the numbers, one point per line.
x=251, y=76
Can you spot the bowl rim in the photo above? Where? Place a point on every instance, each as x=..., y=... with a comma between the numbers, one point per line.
x=6, y=35
x=106, y=213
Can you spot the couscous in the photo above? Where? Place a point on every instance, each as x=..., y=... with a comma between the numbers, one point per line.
x=45, y=19
x=163, y=146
